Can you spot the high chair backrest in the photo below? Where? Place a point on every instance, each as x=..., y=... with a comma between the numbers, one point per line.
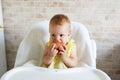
x=31, y=48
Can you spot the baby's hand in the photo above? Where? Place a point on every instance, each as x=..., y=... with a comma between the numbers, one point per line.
x=62, y=50
x=52, y=51
x=62, y=47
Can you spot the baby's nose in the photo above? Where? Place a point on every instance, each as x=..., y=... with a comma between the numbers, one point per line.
x=57, y=38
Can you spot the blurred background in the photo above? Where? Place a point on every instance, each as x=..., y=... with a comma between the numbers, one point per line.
x=101, y=17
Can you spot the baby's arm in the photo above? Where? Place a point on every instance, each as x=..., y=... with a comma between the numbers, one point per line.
x=70, y=61
x=49, y=54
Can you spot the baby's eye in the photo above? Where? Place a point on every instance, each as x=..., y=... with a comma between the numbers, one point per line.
x=61, y=35
x=53, y=35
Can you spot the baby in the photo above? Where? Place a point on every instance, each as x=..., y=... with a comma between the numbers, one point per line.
x=59, y=52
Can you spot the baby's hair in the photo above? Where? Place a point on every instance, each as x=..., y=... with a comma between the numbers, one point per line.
x=59, y=19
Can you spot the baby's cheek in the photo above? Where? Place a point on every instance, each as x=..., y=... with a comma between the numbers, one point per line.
x=51, y=39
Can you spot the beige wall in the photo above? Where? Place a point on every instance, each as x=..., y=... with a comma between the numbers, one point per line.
x=101, y=17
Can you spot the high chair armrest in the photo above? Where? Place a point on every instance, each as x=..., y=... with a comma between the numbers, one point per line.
x=93, y=44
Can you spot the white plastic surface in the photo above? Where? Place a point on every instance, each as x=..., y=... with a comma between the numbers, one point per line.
x=39, y=73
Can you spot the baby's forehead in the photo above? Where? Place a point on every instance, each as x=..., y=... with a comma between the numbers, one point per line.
x=67, y=25
x=60, y=28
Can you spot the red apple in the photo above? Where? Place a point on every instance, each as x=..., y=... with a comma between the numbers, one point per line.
x=58, y=45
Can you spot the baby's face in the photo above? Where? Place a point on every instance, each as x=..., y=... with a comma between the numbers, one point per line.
x=59, y=33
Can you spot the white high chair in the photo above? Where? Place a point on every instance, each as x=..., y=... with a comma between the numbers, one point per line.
x=31, y=48
x=29, y=55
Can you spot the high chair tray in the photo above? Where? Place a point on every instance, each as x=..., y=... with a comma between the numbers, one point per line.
x=39, y=73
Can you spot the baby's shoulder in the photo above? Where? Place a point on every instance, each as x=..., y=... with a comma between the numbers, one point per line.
x=71, y=43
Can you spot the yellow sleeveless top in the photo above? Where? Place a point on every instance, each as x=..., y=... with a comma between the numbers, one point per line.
x=57, y=62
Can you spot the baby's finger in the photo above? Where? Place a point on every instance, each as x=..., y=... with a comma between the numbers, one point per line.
x=64, y=47
x=56, y=51
x=61, y=52
x=48, y=48
x=53, y=47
